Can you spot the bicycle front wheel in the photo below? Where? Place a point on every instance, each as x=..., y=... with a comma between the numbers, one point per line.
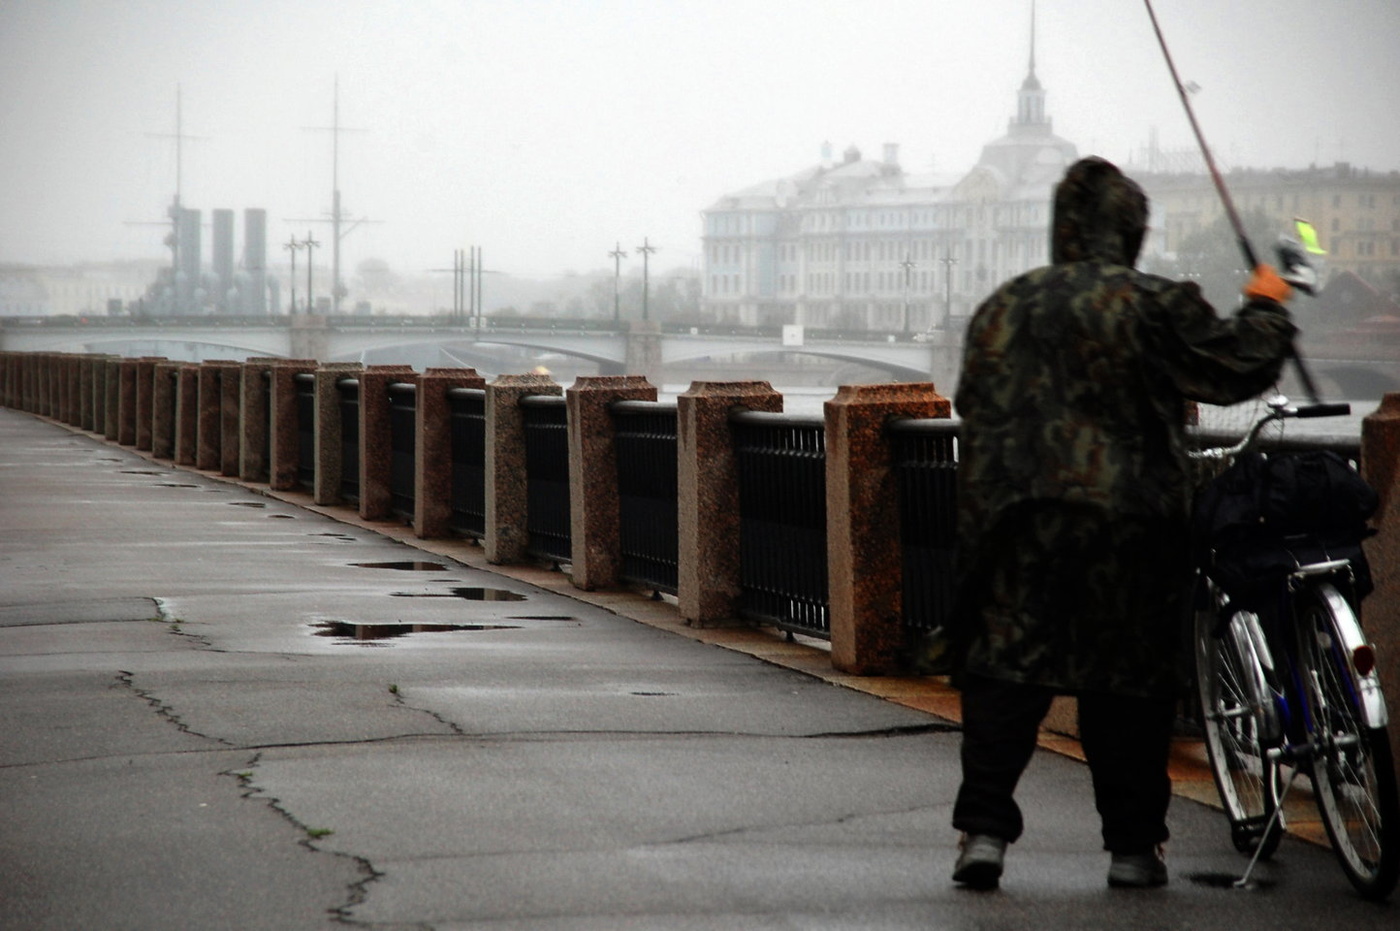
x=1353, y=771
x=1238, y=716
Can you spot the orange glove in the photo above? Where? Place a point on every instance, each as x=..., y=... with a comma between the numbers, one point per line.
x=1266, y=284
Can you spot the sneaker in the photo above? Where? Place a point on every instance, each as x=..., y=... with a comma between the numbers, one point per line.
x=979, y=864
x=1138, y=870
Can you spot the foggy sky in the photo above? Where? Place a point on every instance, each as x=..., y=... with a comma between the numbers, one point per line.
x=545, y=132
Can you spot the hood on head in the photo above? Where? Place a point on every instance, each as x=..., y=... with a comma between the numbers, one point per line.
x=1099, y=214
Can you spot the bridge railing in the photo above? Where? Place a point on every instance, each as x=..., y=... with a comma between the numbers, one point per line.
x=647, y=493
x=840, y=527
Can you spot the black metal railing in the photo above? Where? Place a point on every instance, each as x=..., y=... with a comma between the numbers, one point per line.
x=782, y=529
x=468, y=426
x=306, y=429
x=547, y=477
x=348, y=390
x=924, y=454
x=647, y=492
x=403, y=410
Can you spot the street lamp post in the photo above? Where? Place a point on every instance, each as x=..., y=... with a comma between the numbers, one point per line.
x=908, y=266
x=646, y=249
x=310, y=245
x=291, y=245
x=618, y=254
x=948, y=263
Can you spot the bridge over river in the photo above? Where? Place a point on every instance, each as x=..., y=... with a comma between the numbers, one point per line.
x=1343, y=367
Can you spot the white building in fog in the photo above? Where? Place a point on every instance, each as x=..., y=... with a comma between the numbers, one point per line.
x=863, y=244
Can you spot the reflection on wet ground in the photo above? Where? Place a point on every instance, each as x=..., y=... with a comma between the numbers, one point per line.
x=371, y=634
x=409, y=565
x=469, y=594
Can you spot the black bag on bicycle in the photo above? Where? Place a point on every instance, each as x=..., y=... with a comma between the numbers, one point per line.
x=1265, y=516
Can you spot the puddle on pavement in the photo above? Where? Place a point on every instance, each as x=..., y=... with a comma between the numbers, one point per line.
x=469, y=594
x=174, y=485
x=343, y=537
x=376, y=634
x=411, y=565
x=281, y=517
x=248, y=504
x=141, y=471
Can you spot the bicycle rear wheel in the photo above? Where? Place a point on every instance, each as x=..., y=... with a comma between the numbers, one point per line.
x=1353, y=771
x=1240, y=722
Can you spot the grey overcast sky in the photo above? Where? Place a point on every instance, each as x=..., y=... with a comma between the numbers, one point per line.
x=546, y=131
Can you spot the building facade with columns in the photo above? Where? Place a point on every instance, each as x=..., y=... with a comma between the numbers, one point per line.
x=862, y=244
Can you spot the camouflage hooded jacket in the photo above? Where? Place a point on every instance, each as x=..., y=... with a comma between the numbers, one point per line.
x=1073, y=390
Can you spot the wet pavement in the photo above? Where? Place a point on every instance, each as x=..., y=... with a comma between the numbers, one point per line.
x=225, y=709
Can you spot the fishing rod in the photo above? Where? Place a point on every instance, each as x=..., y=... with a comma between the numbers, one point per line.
x=1241, y=237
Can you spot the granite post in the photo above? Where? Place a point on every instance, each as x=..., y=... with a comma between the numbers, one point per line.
x=163, y=409
x=111, y=394
x=145, y=399
x=126, y=402
x=707, y=511
x=507, y=513
x=230, y=409
x=595, y=518
x=187, y=414
x=432, y=448
x=284, y=442
x=376, y=439
x=1380, y=465
x=330, y=453
x=864, y=551
x=209, y=429
x=254, y=416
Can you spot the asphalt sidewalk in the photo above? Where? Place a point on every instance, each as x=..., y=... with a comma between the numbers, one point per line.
x=194, y=738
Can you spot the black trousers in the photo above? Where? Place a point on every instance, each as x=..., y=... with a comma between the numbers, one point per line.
x=1126, y=741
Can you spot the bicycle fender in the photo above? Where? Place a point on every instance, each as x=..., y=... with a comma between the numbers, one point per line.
x=1368, y=687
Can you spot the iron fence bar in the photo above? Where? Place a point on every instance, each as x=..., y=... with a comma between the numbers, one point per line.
x=306, y=429
x=548, y=518
x=348, y=390
x=782, y=535
x=403, y=404
x=925, y=459
x=468, y=427
x=647, y=493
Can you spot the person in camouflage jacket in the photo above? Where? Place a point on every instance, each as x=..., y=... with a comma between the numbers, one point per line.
x=1073, y=502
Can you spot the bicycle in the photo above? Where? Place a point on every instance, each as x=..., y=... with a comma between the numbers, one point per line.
x=1288, y=686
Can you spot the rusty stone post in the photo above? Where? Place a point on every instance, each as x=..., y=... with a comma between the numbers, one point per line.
x=230, y=429
x=145, y=399
x=330, y=451
x=507, y=512
x=707, y=510
x=864, y=554
x=209, y=429
x=126, y=402
x=187, y=414
x=254, y=416
x=1380, y=465
x=595, y=519
x=376, y=438
x=111, y=393
x=432, y=448
x=284, y=441
x=163, y=409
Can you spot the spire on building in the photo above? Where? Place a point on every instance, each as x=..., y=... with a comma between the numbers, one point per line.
x=1030, y=100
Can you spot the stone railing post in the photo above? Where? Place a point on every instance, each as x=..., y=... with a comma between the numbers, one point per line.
x=284, y=441
x=864, y=554
x=253, y=417
x=126, y=402
x=85, y=365
x=643, y=350
x=163, y=405
x=145, y=399
x=432, y=449
x=376, y=438
x=330, y=453
x=187, y=414
x=1380, y=465
x=111, y=394
x=507, y=515
x=595, y=526
x=707, y=509
x=209, y=430
x=230, y=403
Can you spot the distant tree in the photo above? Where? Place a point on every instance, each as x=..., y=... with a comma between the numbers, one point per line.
x=1211, y=256
x=377, y=275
